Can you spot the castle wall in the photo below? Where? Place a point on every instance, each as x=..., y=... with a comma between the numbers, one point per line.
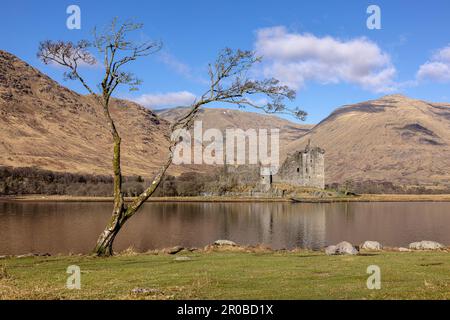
x=304, y=168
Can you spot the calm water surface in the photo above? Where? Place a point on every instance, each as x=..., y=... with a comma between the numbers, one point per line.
x=74, y=227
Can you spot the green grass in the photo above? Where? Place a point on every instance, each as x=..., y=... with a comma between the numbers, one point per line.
x=231, y=275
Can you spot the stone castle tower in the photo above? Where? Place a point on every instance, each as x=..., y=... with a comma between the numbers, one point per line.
x=304, y=168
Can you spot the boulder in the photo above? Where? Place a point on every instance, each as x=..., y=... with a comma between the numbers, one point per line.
x=426, y=245
x=345, y=247
x=330, y=250
x=183, y=259
x=174, y=250
x=372, y=246
x=225, y=243
x=342, y=248
x=401, y=249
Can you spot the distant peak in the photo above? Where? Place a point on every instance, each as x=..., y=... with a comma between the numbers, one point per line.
x=396, y=97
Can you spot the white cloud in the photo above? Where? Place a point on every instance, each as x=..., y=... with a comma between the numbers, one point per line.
x=438, y=68
x=443, y=55
x=295, y=59
x=165, y=100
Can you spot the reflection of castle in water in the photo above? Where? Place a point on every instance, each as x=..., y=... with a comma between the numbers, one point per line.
x=277, y=225
x=68, y=227
x=301, y=226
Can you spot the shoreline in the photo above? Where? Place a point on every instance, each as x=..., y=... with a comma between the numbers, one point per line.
x=250, y=249
x=245, y=199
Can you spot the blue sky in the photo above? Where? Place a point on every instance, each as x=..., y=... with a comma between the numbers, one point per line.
x=294, y=37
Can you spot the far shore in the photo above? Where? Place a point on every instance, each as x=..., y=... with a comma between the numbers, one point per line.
x=359, y=198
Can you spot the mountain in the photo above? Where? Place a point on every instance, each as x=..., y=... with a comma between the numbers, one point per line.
x=395, y=139
x=46, y=125
x=229, y=118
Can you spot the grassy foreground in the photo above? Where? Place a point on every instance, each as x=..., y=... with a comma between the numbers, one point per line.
x=237, y=274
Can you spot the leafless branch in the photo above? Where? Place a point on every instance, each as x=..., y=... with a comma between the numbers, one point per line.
x=228, y=84
x=117, y=51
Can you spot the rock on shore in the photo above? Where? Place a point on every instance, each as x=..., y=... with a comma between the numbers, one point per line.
x=342, y=248
x=225, y=243
x=372, y=246
x=426, y=245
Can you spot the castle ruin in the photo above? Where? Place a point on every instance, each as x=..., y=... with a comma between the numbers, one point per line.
x=305, y=168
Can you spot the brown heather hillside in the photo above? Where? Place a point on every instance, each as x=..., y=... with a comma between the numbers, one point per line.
x=394, y=139
x=244, y=119
x=222, y=119
x=46, y=125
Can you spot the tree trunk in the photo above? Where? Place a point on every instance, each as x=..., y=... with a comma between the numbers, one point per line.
x=104, y=246
x=122, y=212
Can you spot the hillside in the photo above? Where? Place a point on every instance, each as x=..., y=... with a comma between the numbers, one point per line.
x=46, y=125
x=222, y=119
x=395, y=138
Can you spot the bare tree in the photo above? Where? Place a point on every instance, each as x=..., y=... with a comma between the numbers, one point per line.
x=228, y=84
